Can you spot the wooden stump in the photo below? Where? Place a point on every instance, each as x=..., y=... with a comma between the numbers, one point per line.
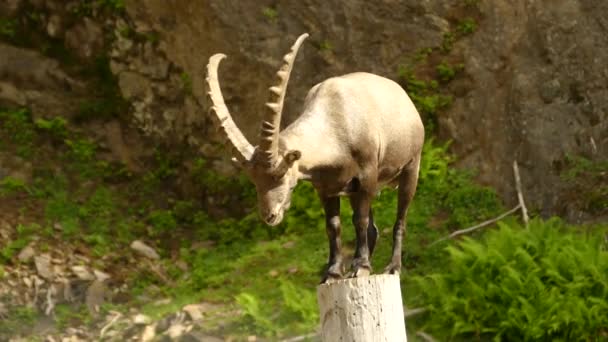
x=362, y=309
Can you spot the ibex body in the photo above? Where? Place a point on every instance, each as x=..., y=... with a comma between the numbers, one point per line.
x=356, y=133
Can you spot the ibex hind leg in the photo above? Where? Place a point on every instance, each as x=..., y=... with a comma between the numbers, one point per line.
x=361, y=204
x=408, y=180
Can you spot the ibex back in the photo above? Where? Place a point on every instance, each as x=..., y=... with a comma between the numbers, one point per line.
x=356, y=134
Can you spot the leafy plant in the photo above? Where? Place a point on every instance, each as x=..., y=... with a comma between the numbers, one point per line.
x=10, y=185
x=24, y=233
x=577, y=166
x=448, y=42
x=8, y=28
x=545, y=283
x=82, y=150
x=326, y=45
x=107, y=101
x=162, y=220
x=466, y=26
x=186, y=82
x=55, y=126
x=19, y=129
x=270, y=14
x=447, y=72
x=114, y=5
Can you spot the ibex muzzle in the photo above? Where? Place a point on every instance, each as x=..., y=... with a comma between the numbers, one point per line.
x=357, y=133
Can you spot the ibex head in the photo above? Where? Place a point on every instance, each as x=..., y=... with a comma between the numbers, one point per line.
x=272, y=169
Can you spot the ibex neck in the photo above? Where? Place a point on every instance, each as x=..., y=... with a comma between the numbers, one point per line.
x=312, y=143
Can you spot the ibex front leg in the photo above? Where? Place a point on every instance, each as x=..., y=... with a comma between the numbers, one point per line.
x=332, y=224
x=361, y=204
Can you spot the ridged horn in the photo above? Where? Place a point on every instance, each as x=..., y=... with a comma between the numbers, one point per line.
x=271, y=125
x=226, y=124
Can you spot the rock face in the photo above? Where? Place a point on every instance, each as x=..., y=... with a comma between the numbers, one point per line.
x=533, y=90
x=536, y=72
x=539, y=93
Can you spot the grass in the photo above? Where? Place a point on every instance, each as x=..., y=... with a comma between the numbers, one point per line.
x=19, y=319
x=587, y=182
x=270, y=274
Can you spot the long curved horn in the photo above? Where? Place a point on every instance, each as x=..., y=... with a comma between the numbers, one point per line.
x=227, y=125
x=271, y=125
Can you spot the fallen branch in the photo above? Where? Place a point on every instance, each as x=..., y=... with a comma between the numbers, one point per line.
x=481, y=225
x=425, y=336
x=103, y=330
x=413, y=312
x=520, y=195
x=300, y=338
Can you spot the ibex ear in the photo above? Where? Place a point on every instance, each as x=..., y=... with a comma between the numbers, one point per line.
x=291, y=156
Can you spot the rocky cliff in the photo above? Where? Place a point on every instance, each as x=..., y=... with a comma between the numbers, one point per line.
x=531, y=86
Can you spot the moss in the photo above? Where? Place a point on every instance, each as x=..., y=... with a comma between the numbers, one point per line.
x=271, y=14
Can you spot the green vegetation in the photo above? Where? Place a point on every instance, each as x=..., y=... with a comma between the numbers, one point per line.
x=326, y=45
x=90, y=7
x=447, y=43
x=10, y=185
x=271, y=14
x=23, y=237
x=466, y=26
x=244, y=260
x=447, y=72
x=107, y=101
x=17, y=319
x=425, y=94
x=580, y=166
x=588, y=181
x=8, y=28
x=67, y=315
x=186, y=83
x=56, y=127
x=19, y=131
x=546, y=283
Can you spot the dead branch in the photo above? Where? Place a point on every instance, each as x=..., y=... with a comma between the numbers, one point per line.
x=481, y=225
x=105, y=328
x=413, y=312
x=425, y=336
x=520, y=195
x=300, y=338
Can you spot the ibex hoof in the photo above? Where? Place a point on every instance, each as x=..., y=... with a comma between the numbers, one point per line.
x=361, y=272
x=330, y=278
x=392, y=268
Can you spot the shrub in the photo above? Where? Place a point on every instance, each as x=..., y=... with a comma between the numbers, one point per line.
x=467, y=26
x=545, y=283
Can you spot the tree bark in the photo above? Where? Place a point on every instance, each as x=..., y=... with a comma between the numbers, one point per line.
x=365, y=309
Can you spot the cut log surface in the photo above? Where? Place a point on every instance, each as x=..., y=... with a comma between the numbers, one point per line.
x=365, y=309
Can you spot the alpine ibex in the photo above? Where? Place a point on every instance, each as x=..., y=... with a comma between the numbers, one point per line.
x=356, y=133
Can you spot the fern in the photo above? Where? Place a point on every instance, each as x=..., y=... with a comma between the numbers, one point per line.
x=545, y=283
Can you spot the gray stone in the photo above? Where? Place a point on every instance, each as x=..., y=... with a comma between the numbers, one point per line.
x=133, y=85
x=85, y=38
x=54, y=26
x=26, y=254
x=95, y=296
x=144, y=250
x=43, y=266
